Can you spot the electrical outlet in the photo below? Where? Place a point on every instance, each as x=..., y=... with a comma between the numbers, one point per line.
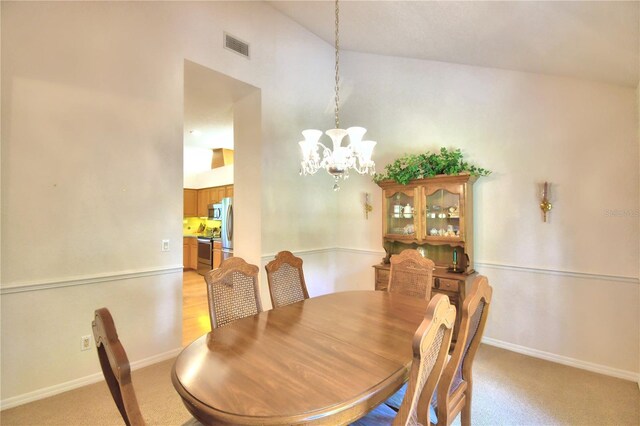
x=165, y=245
x=85, y=343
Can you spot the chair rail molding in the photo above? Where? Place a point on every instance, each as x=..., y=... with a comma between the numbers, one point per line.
x=37, y=285
x=560, y=272
x=487, y=264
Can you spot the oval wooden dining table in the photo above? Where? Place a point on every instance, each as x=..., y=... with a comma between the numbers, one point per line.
x=325, y=360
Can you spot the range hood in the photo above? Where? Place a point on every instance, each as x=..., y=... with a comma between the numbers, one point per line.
x=221, y=157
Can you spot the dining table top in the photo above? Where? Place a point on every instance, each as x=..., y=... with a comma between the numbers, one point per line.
x=325, y=360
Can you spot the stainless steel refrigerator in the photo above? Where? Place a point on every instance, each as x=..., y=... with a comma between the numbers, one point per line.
x=226, y=231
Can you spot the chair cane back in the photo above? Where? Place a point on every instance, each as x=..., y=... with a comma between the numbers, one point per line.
x=232, y=291
x=430, y=346
x=411, y=274
x=115, y=367
x=454, y=390
x=286, y=279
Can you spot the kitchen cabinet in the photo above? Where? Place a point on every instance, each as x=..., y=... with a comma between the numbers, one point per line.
x=190, y=202
x=217, y=254
x=219, y=194
x=208, y=196
x=203, y=202
x=190, y=253
x=193, y=253
x=185, y=254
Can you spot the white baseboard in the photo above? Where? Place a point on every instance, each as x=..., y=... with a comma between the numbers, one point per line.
x=82, y=381
x=564, y=360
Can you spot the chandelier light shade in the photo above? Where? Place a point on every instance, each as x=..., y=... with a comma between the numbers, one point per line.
x=338, y=159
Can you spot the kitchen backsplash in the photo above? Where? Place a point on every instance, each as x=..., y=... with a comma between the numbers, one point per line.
x=190, y=225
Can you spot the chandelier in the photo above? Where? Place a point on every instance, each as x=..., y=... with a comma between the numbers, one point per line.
x=338, y=160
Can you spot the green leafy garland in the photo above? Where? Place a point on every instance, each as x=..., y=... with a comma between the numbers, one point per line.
x=425, y=165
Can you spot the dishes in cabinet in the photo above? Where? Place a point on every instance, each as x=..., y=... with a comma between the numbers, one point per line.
x=449, y=232
x=407, y=211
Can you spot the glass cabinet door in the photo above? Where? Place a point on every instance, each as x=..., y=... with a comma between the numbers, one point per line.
x=400, y=213
x=442, y=212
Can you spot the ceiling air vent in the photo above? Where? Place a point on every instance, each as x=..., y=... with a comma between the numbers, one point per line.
x=236, y=45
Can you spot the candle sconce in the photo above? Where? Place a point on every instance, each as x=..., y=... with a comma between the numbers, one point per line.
x=367, y=205
x=545, y=205
x=459, y=261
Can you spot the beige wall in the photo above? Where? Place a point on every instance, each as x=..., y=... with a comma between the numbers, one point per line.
x=92, y=104
x=215, y=177
x=567, y=288
x=92, y=127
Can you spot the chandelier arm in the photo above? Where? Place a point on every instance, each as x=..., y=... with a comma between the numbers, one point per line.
x=324, y=147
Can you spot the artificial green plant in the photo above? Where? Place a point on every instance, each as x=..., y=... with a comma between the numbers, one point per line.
x=420, y=166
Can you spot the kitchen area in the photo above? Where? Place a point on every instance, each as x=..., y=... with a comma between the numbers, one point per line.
x=208, y=185
x=207, y=227
x=208, y=166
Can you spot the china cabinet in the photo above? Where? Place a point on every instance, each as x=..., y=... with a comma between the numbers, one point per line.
x=435, y=217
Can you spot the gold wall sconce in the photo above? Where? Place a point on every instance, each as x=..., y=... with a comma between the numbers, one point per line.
x=545, y=205
x=367, y=205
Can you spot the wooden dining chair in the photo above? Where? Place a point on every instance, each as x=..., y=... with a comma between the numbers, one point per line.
x=430, y=346
x=411, y=274
x=117, y=370
x=286, y=279
x=115, y=367
x=453, y=395
x=454, y=390
x=232, y=291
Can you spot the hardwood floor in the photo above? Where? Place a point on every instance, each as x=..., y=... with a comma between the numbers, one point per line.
x=195, y=309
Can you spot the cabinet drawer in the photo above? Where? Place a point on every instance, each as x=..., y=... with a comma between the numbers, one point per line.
x=382, y=275
x=453, y=297
x=382, y=279
x=446, y=284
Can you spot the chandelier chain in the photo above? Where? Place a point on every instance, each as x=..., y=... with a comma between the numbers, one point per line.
x=337, y=86
x=338, y=160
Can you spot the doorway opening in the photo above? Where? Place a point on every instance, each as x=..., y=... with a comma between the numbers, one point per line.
x=222, y=139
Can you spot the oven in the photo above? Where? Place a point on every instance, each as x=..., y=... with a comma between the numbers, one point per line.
x=205, y=255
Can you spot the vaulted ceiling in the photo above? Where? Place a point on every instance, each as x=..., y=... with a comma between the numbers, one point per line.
x=592, y=40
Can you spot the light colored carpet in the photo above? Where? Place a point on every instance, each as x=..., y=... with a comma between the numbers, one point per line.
x=509, y=389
